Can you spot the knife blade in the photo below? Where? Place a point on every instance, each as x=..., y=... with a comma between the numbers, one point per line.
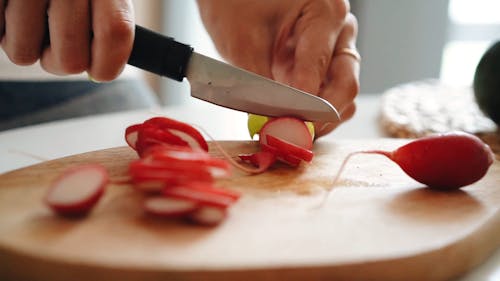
x=223, y=84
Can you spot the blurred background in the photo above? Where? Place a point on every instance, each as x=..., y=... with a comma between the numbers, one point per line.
x=400, y=41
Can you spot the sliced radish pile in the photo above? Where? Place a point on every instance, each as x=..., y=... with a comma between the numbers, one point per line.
x=162, y=130
x=174, y=170
x=177, y=172
x=77, y=190
x=287, y=139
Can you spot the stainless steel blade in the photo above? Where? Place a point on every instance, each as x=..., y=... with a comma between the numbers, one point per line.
x=232, y=87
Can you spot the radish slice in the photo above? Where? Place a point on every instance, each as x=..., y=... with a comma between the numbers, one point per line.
x=289, y=129
x=169, y=207
x=208, y=215
x=203, y=186
x=202, y=196
x=262, y=159
x=132, y=134
x=183, y=130
x=77, y=190
x=288, y=148
x=282, y=156
x=150, y=137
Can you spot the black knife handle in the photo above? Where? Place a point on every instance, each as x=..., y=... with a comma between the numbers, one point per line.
x=159, y=54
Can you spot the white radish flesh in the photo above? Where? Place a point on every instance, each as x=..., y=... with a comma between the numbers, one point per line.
x=169, y=207
x=208, y=215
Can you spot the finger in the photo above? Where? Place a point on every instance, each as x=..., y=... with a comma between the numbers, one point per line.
x=317, y=30
x=2, y=17
x=69, y=31
x=326, y=128
x=113, y=27
x=24, y=25
x=342, y=83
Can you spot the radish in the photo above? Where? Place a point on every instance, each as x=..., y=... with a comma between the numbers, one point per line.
x=289, y=148
x=262, y=159
x=132, y=134
x=208, y=215
x=165, y=165
x=162, y=130
x=77, y=190
x=169, y=207
x=205, y=197
x=281, y=155
x=183, y=130
x=289, y=129
x=150, y=136
x=442, y=161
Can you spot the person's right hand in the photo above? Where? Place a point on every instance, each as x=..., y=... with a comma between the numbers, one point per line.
x=95, y=36
x=302, y=43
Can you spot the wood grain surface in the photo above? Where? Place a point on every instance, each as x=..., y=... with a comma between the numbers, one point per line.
x=376, y=224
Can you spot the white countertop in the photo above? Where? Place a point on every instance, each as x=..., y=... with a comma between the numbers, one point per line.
x=31, y=145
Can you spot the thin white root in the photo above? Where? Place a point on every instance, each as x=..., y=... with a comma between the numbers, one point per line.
x=227, y=156
x=337, y=177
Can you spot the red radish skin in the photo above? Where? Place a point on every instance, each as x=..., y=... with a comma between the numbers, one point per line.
x=203, y=197
x=291, y=149
x=76, y=191
x=281, y=155
x=203, y=186
x=262, y=160
x=183, y=130
x=442, y=161
x=132, y=134
x=149, y=137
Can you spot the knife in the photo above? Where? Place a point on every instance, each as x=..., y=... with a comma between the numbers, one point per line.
x=223, y=84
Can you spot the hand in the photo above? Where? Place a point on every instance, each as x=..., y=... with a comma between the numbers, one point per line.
x=294, y=42
x=85, y=35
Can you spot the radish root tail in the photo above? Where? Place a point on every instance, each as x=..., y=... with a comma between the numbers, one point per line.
x=226, y=154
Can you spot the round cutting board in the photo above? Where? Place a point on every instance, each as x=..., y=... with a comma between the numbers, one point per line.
x=376, y=224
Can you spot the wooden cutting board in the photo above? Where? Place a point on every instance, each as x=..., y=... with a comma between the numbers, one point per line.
x=377, y=224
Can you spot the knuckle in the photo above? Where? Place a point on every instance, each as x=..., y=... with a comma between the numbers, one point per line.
x=340, y=8
x=352, y=24
x=323, y=62
x=119, y=31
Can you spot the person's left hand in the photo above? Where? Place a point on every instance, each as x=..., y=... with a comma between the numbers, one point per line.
x=299, y=43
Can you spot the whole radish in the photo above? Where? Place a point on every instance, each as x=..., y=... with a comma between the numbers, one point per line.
x=442, y=161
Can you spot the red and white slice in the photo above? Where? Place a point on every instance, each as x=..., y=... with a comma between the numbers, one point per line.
x=289, y=129
x=288, y=148
x=203, y=196
x=183, y=130
x=169, y=207
x=281, y=155
x=77, y=190
x=262, y=159
x=132, y=134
